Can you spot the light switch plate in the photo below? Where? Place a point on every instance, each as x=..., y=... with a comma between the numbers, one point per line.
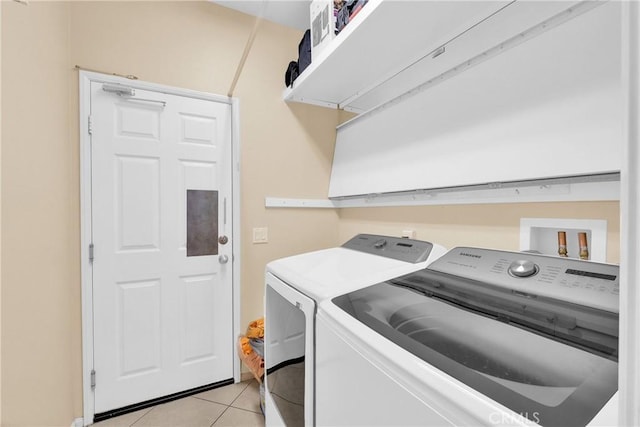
x=260, y=235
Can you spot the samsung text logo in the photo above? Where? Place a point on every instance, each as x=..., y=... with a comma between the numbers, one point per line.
x=470, y=255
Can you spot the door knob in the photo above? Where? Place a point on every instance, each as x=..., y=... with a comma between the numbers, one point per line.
x=223, y=240
x=223, y=259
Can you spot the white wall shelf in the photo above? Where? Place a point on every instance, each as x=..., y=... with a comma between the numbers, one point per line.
x=546, y=107
x=576, y=189
x=391, y=47
x=279, y=202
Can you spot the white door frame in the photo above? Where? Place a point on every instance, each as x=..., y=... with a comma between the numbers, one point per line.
x=629, y=367
x=85, y=80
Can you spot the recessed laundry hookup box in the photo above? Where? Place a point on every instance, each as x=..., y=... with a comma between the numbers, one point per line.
x=548, y=236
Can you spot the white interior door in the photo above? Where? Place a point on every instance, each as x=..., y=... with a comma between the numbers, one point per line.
x=162, y=286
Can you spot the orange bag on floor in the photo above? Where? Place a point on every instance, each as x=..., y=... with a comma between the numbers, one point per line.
x=256, y=329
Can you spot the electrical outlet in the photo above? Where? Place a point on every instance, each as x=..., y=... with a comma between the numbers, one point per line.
x=261, y=235
x=409, y=234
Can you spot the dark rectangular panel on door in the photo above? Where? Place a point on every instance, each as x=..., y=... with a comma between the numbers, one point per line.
x=202, y=222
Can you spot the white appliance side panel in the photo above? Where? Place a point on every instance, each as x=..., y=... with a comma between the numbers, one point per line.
x=549, y=107
x=351, y=390
x=271, y=415
x=364, y=379
x=608, y=415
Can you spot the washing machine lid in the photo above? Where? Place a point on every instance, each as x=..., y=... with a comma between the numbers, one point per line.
x=550, y=360
x=363, y=260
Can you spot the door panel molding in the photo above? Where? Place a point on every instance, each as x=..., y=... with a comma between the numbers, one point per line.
x=85, y=80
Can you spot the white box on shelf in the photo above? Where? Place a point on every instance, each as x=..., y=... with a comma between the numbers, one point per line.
x=541, y=235
x=323, y=25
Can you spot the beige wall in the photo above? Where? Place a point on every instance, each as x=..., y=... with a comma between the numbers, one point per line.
x=195, y=45
x=39, y=270
x=494, y=226
x=287, y=151
x=0, y=213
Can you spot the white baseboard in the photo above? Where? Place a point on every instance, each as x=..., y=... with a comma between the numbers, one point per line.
x=78, y=422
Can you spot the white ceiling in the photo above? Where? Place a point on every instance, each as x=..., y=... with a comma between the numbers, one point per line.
x=291, y=13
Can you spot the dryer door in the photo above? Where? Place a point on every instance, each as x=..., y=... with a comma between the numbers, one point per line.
x=289, y=326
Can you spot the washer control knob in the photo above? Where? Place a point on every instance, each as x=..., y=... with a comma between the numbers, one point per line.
x=380, y=244
x=522, y=268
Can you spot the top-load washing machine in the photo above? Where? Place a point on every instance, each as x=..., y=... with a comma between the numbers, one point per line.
x=294, y=287
x=480, y=337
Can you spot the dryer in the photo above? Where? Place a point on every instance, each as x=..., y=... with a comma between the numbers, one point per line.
x=295, y=286
x=480, y=337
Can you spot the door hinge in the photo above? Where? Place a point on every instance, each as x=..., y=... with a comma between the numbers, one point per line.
x=93, y=379
x=90, y=127
x=90, y=252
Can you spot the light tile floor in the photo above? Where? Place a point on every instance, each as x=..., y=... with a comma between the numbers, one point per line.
x=231, y=405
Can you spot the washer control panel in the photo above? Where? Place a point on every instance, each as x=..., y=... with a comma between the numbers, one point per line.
x=581, y=282
x=408, y=250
